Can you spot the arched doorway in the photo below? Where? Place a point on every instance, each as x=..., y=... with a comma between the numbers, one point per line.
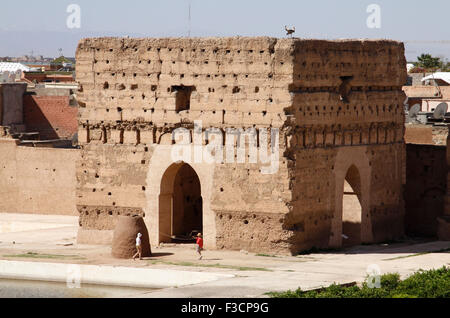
x=180, y=204
x=351, y=208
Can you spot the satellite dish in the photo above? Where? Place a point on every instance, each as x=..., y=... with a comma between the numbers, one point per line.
x=413, y=111
x=440, y=111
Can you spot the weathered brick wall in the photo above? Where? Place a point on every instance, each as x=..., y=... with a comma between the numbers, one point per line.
x=127, y=100
x=347, y=98
x=51, y=116
x=329, y=99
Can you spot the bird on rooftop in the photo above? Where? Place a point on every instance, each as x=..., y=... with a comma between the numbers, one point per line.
x=289, y=31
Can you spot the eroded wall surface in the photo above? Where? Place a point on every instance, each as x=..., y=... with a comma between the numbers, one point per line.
x=335, y=103
x=426, y=188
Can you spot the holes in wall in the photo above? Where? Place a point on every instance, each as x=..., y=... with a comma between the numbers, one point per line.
x=236, y=89
x=345, y=88
x=138, y=138
x=104, y=135
x=121, y=136
x=105, y=85
x=153, y=88
x=256, y=89
x=133, y=86
x=182, y=97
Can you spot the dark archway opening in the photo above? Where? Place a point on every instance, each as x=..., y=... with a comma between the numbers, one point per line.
x=180, y=205
x=351, y=208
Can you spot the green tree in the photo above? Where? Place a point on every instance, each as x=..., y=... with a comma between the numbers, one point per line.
x=428, y=62
x=61, y=60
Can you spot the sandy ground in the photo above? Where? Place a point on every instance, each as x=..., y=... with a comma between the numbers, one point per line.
x=54, y=239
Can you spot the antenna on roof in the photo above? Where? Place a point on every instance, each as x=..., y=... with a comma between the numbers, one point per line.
x=189, y=20
x=436, y=85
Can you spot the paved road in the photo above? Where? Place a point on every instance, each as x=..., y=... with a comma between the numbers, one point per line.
x=248, y=275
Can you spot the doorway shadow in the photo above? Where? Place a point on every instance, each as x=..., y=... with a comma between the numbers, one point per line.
x=159, y=255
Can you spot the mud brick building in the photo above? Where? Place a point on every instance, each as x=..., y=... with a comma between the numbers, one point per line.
x=338, y=106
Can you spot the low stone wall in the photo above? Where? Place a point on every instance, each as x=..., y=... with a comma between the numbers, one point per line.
x=426, y=134
x=37, y=180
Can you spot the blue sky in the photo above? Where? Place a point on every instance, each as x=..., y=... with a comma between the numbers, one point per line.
x=41, y=25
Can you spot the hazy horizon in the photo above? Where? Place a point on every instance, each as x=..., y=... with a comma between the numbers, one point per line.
x=40, y=26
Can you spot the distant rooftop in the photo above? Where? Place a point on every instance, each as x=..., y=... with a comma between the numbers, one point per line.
x=443, y=76
x=13, y=67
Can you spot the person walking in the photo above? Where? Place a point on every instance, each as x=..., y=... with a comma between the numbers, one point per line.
x=199, y=245
x=138, y=247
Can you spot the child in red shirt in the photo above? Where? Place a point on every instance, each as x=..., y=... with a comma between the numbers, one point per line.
x=199, y=245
